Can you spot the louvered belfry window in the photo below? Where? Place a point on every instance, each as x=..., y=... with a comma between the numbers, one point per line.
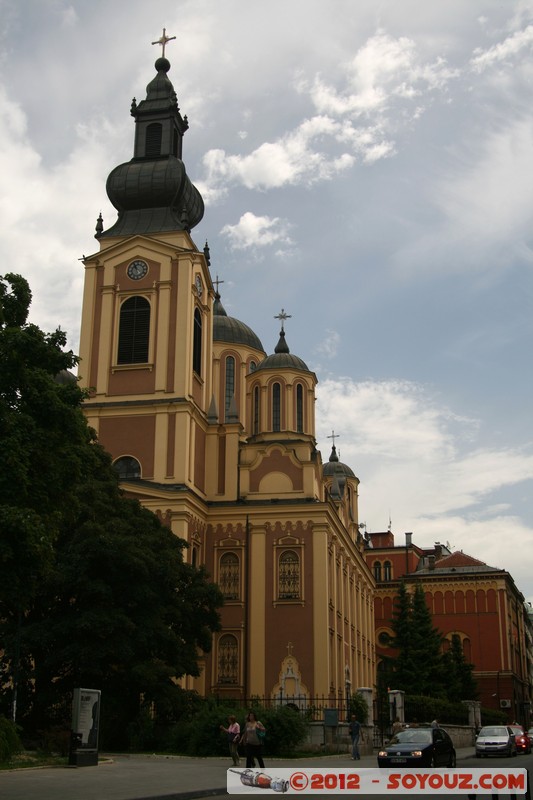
x=134, y=331
x=154, y=134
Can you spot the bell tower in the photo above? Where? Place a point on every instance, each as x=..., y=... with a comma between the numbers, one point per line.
x=146, y=332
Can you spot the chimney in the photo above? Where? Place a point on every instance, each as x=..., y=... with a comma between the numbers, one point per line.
x=431, y=564
x=408, y=537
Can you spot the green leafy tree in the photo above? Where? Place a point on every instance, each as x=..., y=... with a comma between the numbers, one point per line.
x=94, y=590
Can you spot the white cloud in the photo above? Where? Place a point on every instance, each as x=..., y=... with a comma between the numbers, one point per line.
x=360, y=112
x=253, y=231
x=414, y=451
x=503, y=51
x=384, y=69
x=329, y=346
x=415, y=463
x=289, y=160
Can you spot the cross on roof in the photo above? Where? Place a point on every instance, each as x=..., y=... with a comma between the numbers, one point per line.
x=217, y=282
x=163, y=41
x=282, y=316
x=334, y=436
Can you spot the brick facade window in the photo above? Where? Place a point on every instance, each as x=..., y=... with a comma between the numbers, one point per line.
x=230, y=576
x=289, y=576
x=228, y=659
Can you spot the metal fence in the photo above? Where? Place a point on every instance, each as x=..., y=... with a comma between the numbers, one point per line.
x=314, y=708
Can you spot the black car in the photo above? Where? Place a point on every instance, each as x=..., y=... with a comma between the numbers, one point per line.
x=421, y=746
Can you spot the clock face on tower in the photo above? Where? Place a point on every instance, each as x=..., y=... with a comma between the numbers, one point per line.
x=137, y=270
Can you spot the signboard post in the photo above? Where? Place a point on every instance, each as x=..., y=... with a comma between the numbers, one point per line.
x=84, y=733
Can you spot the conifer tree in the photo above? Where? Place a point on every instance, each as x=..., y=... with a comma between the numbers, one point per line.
x=427, y=648
x=460, y=680
x=402, y=664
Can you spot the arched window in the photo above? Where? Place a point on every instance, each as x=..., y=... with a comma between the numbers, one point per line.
x=256, y=410
x=289, y=576
x=127, y=468
x=197, y=343
x=229, y=580
x=299, y=408
x=276, y=407
x=228, y=659
x=154, y=133
x=377, y=570
x=230, y=382
x=134, y=331
x=194, y=556
x=253, y=365
x=387, y=571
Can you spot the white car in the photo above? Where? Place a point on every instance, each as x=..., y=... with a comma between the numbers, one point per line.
x=495, y=740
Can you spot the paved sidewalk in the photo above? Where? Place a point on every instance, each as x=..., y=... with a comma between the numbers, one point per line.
x=148, y=777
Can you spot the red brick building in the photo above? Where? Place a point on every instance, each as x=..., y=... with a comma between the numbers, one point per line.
x=467, y=597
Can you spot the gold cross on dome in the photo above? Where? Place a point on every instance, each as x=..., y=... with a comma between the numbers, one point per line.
x=163, y=41
x=282, y=316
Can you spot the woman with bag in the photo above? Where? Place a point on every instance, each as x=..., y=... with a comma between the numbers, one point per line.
x=233, y=732
x=252, y=738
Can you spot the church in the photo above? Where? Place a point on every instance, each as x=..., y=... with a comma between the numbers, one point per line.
x=215, y=433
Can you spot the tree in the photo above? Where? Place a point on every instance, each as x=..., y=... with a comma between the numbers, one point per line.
x=418, y=668
x=94, y=590
x=403, y=666
x=460, y=679
x=426, y=649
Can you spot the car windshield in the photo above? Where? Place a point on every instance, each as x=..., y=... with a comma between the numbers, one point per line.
x=412, y=735
x=494, y=730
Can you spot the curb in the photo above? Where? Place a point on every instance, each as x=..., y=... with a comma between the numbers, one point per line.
x=188, y=795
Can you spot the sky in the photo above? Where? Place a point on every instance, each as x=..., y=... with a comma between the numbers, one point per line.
x=366, y=166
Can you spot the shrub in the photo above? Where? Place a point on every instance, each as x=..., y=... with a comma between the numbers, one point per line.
x=9, y=740
x=425, y=709
x=201, y=735
x=359, y=707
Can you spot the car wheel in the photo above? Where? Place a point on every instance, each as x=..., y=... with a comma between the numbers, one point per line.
x=452, y=763
x=478, y=755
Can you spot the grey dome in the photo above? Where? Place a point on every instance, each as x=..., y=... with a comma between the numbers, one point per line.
x=231, y=330
x=282, y=358
x=336, y=467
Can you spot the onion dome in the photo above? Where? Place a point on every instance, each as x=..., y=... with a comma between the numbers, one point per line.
x=232, y=331
x=282, y=358
x=334, y=467
x=152, y=192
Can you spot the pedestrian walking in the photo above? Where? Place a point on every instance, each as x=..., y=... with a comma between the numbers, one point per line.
x=233, y=732
x=251, y=738
x=355, y=731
